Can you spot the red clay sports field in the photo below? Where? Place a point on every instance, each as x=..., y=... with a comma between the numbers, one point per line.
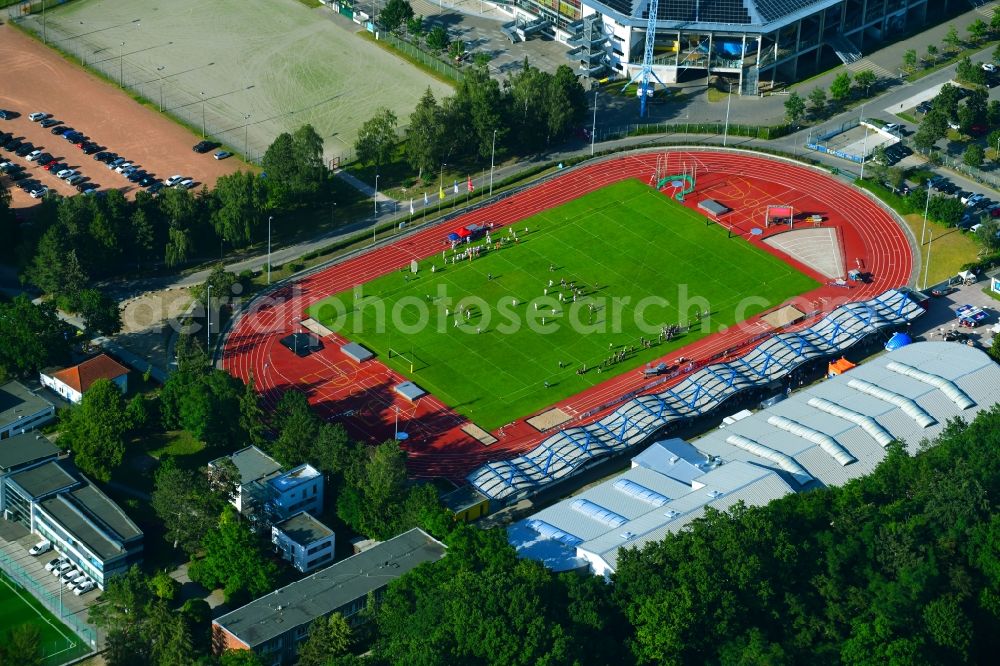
x=361, y=395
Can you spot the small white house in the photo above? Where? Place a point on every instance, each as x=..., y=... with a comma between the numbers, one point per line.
x=303, y=541
x=71, y=383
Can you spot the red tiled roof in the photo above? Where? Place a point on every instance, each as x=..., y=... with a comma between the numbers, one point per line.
x=80, y=377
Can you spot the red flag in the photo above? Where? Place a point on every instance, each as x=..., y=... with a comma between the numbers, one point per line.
x=469, y=183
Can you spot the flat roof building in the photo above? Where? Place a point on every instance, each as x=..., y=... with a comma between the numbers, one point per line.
x=825, y=434
x=274, y=625
x=304, y=541
x=21, y=410
x=55, y=501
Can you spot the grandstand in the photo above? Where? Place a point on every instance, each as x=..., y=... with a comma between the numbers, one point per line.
x=574, y=449
x=754, y=42
x=824, y=435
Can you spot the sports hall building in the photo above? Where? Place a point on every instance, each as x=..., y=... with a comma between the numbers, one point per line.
x=754, y=42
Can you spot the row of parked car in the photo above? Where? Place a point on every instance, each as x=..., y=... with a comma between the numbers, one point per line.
x=54, y=165
x=976, y=205
x=75, y=580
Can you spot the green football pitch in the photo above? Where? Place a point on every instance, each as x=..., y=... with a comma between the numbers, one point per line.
x=59, y=644
x=635, y=260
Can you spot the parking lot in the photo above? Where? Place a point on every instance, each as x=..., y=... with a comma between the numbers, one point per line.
x=37, y=79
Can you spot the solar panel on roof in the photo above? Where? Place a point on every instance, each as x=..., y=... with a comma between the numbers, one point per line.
x=703, y=11
x=771, y=10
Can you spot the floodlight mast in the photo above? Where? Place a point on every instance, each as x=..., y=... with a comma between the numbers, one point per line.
x=646, y=71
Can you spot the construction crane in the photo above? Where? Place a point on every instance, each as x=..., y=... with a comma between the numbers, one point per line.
x=646, y=71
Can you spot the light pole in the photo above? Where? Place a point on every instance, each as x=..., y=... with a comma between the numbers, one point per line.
x=493, y=151
x=927, y=204
x=593, y=126
x=269, y=248
x=375, y=218
x=203, y=114
x=246, y=140
x=729, y=101
x=121, y=68
x=208, y=327
x=927, y=266
x=160, y=69
x=864, y=153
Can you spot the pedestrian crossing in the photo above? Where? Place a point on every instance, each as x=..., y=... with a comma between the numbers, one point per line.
x=867, y=63
x=986, y=9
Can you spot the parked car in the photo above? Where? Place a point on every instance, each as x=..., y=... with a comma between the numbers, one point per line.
x=90, y=191
x=62, y=568
x=29, y=184
x=137, y=175
x=50, y=122
x=989, y=67
x=91, y=148
x=84, y=587
x=33, y=155
x=44, y=158
x=147, y=180
x=75, y=178
x=6, y=115
x=203, y=146
x=15, y=176
x=222, y=154
x=39, y=192
x=156, y=187
x=173, y=180
x=122, y=167
x=42, y=546
x=69, y=574
x=54, y=562
x=64, y=173
x=83, y=186
x=62, y=129
x=38, y=115
x=104, y=156
x=73, y=582
x=115, y=163
x=52, y=164
x=24, y=150
x=68, y=175
x=924, y=107
x=185, y=184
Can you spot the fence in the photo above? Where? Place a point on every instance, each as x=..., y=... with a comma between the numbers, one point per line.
x=431, y=62
x=52, y=602
x=714, y=129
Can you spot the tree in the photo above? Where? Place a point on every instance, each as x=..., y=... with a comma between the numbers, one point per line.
x=55, y=267
x=415, y=26
x=932, y=53
x=978, y=30
x=993, y=113
x=329, y=637
x=437, y=39
x=240, y=658
x=525, y=90
x=100, y=312
x=993, y=141
x=251, y=415
x=33, y=337
x=185, y=504
x=204, y=402
x=22, y=646
x=163, y=586
x=424, y=144
x=973, y=155
x=945, y=210
x=394, y=14
x=242, y=203
x=310, y=172
x=952, y=39
x=864, y=80
x=946, y=101
x=817, y=101
x=989, y=235
x=235, y=560
x=121, y=613
x=995, y=20
x=143, y=236
x=841, y=87
x=377, y=138
x=896, y=177
x=298, y=428
x=994, y=350
x=967, y=71
x=178, y=248
x=933, y=128
x=95, y=430
x=374, y=491
x=565, y=104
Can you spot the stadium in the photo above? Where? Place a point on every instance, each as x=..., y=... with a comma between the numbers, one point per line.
x=756, y=42
x=824, y=259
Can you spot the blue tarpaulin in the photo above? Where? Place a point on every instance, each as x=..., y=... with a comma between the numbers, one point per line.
x=898, y=340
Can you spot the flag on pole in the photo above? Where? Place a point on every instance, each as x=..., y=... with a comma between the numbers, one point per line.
x=469, y=183
x=456, y=187
x=425, y=199
x=411, y=205
x=441, y=192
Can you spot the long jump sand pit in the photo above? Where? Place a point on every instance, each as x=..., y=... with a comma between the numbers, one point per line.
x=278, y=61
x=36, y=78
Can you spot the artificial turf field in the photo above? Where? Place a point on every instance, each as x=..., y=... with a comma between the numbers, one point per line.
x=59, y=643
x=625, y=241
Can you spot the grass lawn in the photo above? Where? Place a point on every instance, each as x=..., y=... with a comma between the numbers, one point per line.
x=17, y=606
x=952, y=249
x=636, y=254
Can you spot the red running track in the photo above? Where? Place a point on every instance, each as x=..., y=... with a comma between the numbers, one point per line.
x=361, y=395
